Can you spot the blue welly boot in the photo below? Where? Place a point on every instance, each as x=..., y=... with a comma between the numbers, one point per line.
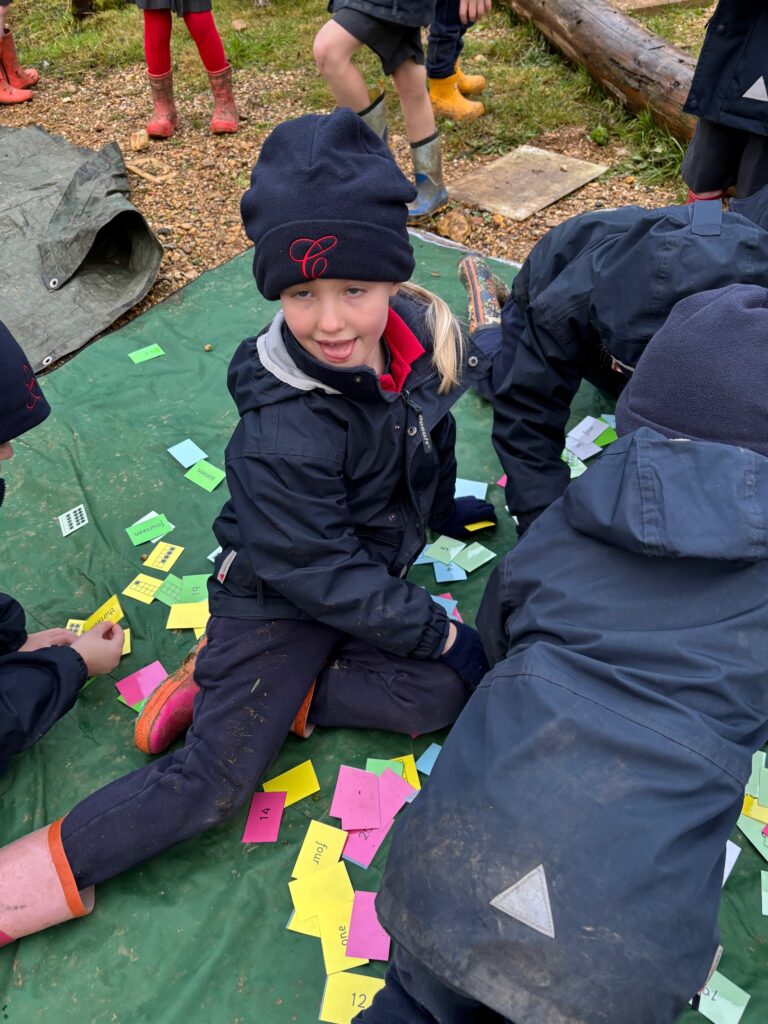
x=432, y=193
x=375, y=116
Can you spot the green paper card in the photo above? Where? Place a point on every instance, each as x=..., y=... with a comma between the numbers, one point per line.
x=722, y=1002
x=758, y=762
x=141, y=355
x=608, y=436
x=170, y=592
x=137, y=707
x=444, y=549
x=762, y=787
x=473, y=557
x=194, y=588
x=148, y=529
x=378, y=766
x=764, y=891
x=753, y=830
x=205, y=475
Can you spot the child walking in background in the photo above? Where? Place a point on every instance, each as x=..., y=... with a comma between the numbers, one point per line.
x=393, y=32
x=342, y=456
x=197, y=15
x=15, y=81
x=449, y=87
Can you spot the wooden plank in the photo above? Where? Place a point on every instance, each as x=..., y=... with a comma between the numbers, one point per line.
x=654, y=6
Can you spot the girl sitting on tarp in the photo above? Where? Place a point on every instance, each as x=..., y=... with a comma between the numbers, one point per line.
x=40, y=673
x=565, y=861
x=342, y=456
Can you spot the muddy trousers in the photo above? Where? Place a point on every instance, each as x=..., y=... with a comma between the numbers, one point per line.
x=253, y=676
x=413, y=995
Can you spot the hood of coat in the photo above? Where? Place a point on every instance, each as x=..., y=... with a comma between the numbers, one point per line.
x=674, y=498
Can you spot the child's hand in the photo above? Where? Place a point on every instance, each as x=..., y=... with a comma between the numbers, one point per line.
x=464, y=653
x=48, y=638
x=100, y=648
x=465, y=510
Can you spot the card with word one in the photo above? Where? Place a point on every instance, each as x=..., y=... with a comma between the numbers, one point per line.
x=346, y=995
x=143, y=588
x=334, y=935
x=205, y=475
x=264, y=817
x=162, y=556
x=72, y=520
x=297, y=783
x=321, y=849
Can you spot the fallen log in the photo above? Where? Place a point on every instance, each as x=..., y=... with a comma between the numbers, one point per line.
x=642, y=70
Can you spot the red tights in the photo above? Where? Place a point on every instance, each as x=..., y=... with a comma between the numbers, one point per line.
x=202, y=28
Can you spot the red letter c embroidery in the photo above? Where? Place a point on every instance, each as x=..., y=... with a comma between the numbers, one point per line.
x=309, y=253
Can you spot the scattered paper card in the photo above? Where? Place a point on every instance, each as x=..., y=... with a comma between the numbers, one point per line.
x=312, y=893
x=483, y=524
x=346, y=995
x=187, y=616
x=411, y=774
x=445, y=602
x=126, y=643
x=356, y=799
x=205, y=475
x=362, y=845
x=214, y=554
x=162, y=556
x=574, y=464
x=502, y=481
x=148, y=529
x=321, y=849
x=334, y=935
x=732, y=852
x=143, y=588
x=473, y=557
x=72, y=520
x=722, y=1002
x=378, y=765
x=110, y=611
x=470, y=489
x=139, y=685
x=754, y=833
x=297, y=783
x=607, y=437
x=194, y=588
x=308, y=927
x=426, y=762
x=187, y=453
x=366, y=936
x=764, y=892
x=424, y=558
x=264, y=817
x=141, y=355
x=444, y=549
x=448, y=573
x=758, y=762
x=75, y=626
x=170, y=592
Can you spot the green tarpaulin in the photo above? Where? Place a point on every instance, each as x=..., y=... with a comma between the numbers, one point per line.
x=198, y=934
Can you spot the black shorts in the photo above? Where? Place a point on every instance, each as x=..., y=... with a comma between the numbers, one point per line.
x=722, y=157
x=393, y=44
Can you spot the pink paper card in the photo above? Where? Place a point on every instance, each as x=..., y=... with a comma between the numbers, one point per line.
x=139, y=685
x=765, y=831
x=394, y=792
x=367, y=938
x=356, y=799
x=362, y=846
x=502, y=481
x=264, y=817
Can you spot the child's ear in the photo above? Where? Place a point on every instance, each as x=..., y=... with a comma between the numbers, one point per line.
x=394, y=289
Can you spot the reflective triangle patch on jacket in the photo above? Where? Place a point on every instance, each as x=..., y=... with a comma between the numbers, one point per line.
x=527, y=901
x=757, y=91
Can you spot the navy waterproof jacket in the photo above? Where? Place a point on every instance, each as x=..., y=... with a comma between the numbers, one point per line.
x=36, y=687
x=601, y=763
x=333, y=482
x=730, y=83
x=594, y=288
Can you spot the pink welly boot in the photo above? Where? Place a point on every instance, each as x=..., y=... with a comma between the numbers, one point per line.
x=225, y=119
x=165, y=119
x=168, y=711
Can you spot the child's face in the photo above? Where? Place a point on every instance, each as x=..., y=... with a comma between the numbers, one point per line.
x=6, y=451
x=340, y=323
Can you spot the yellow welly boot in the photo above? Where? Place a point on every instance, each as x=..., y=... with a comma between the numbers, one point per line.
x=469, y=85
x=447, y=101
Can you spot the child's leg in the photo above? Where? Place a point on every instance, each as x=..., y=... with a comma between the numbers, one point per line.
x=410, y=80
x=333, y=49
x=253, y=677
x=202, y=28
x=157, y=42
x=753, y=169
x=411, y=83
x=711, y=162
x=446, y=39
x=367, y=688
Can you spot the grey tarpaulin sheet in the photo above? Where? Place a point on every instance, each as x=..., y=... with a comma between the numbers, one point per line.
x=74, y=252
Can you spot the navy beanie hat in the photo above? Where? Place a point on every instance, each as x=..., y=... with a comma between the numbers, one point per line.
x=704, y=374
x=327, y=200
x=22, y=403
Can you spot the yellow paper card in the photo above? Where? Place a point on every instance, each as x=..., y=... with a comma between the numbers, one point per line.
x=308, y=927
x=75, y=626
x=188, y=616
x=321, y=849
x=110, y=611
x=334, y=932
x=198, y=631
x=297, y=783
x=143, y=588
x=755, y=811
x=346, y=995
x=126, y=642
x=312, y=893
x=482, y=525
x=411, y=774
x=163, y=556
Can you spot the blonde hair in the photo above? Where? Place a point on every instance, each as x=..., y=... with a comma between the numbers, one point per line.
x=447, y=339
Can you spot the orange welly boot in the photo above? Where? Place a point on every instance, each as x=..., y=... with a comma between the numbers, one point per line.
x=168, y=711
x=469, y=85
x=165, y=118
x=225, y=119
x=18, y=77
x=10, y=95
x=302, y=727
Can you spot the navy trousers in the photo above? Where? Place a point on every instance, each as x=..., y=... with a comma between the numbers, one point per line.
x=253, y=677
x=413, y=995
x=446, y=39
